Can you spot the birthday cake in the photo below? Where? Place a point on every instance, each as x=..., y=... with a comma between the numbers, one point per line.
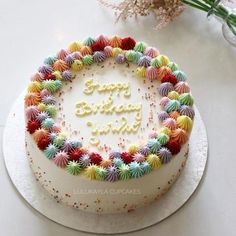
x=108, y=121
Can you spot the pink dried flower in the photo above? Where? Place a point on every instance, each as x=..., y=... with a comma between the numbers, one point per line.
x=164, y=10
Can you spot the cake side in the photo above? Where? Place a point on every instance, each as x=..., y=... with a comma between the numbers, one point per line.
x=103, y=196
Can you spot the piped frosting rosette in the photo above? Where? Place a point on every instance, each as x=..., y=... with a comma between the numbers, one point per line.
x=176, y=116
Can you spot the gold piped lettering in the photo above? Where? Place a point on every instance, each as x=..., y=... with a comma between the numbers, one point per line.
x=107, y=107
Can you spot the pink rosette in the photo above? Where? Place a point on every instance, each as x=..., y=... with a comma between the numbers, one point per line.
x=164, y=101
x=76, y=55
x=56, y=128
x=61, y=159
x=61, y=55
x=152, y=134
x=37, y=77
x=102, y=39
x=44, y=93
x=31, y=112
x=170, y=123
x=138, y=157
x=151, y=73
x=151, y=52
x=182, y=87
x=108, y=51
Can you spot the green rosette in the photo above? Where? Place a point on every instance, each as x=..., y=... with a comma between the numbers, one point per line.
x=140, y=47
x=173, y=66
x=163, y=138
x=87, y=60
x=101, y=173
x=52, y=85
x=124, y=172
x=73, y=167
x=186, y=99
x=156, y=62
x=51, y=110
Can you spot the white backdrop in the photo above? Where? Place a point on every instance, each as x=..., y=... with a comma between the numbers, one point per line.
x=30, y=30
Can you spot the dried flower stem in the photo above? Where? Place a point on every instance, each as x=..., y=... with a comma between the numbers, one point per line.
x=216, y=8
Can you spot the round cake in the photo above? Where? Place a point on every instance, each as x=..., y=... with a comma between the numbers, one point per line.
x=108, y=121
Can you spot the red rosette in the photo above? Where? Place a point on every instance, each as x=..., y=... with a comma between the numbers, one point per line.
x=33, y=125
x=95, y=158
x=173, y=146
x=127, y=43
x=169, y=78
x=43, y=143
x=126, y=157
x=98, y=46
x=75, y=154
x=49, y=77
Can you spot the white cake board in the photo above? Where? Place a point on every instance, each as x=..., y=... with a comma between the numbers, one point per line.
x=25, y=182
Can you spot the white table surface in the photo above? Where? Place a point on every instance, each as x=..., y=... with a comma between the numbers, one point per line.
x=30, y=30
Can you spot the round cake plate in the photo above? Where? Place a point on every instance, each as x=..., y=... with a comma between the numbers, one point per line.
x=25, y=182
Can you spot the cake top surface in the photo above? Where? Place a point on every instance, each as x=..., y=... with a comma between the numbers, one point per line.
x=109, y=108
x=105, y=107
